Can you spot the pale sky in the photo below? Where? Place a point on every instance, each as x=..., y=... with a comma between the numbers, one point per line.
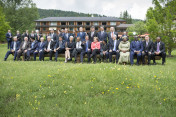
x=137, y=8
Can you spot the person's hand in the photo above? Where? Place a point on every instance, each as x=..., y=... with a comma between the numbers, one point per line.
x=110, y=50
x=84, y=42
x=25, y=51
x=117, y=51
x=149, y=52
x=58, y=48
x=88, y=49
x=12, y=50
x=54, y=50
x=142, y=52
x=36, y=51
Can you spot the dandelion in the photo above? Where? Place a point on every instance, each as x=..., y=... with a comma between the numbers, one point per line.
x=65, y=92
x=17, y=96
x=102, y=92
x=117, y=88
x=122, y=83
x=91, y=87
x=164, y=99
x=127, y=87
x=118, y=69
x=85, y=103
x=49, y=75
x=112, y=92
x=38, y=103
x=155, y=76
x=35, y=96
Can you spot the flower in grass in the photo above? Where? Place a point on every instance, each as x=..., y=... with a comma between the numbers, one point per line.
x=35, y=96
x=17, y=96
x=65, y=92
x=127, y=87
x=91, y=87
x=118, y=69
x=112, y=92
x=122, y=83
x=102, y=92
x=19, y=116
x=164, y=99
x=155, y=76
x=117, y=88
x=85, y=103
x=49, y=76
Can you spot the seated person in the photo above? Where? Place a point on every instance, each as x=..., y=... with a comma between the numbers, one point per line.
x=86, y=45
x=78, y=48
x=114, y=49
x=124, y=48
x=32, y=48
x=159, y=50
x=136, y=48
x=59, y=47
x=104, y=52
x=40, y=50
x=95, y=46
x=23, y=49
x=49, y=47
x=13, y=49
x=147, y=50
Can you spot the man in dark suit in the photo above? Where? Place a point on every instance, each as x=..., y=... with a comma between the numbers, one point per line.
x=86, y=49
x=49, y=47
x=32, y=48
x=23, y=49
x=59, y=47
x=18, y=36
x=53, y=36
x=114, y=49
x=147, y=49
x=92, y=34
x=102, y=35
x=159, y=50
x=104, y=51
x=81, y=34
x=66, y=35
x=9, y=38
x=32, y=35
x=136, y=48
x=40, y=50
x=111, y=34
x=27, y=35
x=78, y=48
x=14, y=48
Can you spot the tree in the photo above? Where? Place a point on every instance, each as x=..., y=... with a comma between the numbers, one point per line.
x=126, y=16
x=138, y=27
x=4, y=26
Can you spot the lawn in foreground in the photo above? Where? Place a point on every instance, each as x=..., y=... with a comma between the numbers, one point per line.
x=46, y=89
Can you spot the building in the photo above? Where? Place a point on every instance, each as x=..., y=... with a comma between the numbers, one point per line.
x=73, y=23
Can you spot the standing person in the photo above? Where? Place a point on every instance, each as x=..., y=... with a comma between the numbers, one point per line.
x=69, y=47
x=102, y=35
x=104, y=52
x=95, y=46
x=78, y=48
x=27, y=35
x=66, y=35
x=159, y=50
x=9, y=38
x=14, y=48
x=53, y=36
x=18, y=36
x=92, y=34
x=81, y=34
x=49, y=48
x=32, y=35
x=38, y=36
x=124, y=48
x=111, y=34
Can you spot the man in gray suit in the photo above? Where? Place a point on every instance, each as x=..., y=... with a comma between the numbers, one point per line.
x=102, y=35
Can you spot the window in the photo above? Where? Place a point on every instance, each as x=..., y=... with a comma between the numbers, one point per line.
x=71, y=29
x=103, y=23
x=71, y=23
x=87, y=23
x=53, y=23
x=44, y=23
x=37, y=23
x=79, y=23
x=105, y=28
x=95, y=23
x=44, y=29
x=112, y=23
x=87, y=29
x=63, y=23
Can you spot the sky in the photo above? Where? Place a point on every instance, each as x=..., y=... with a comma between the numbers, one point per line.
x=137, y=8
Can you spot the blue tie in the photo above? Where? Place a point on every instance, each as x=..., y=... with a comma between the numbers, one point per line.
x=86, y=46
x=114, y=45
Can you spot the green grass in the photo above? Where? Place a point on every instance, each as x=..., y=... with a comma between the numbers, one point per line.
x=50, y=89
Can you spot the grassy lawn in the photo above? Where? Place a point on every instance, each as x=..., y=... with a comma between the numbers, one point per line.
x=50, y=89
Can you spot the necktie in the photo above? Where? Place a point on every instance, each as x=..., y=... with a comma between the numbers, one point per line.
x=158, y=47
x=40, y=44
x=114, y=46
x=14, y=46
x=92, y=33
x=86, y=46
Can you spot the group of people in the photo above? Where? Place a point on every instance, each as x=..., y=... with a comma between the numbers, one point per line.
x=90, y=44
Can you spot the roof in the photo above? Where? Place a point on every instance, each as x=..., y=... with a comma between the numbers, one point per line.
x=79, y=19
x=124, y=25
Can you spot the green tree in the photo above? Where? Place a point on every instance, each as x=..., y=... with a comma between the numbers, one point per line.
x=138, y=27
x=126, y=16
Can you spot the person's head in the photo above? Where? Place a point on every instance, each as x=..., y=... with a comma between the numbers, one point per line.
x=42, y=39
x=87, y=37
x=112, y=29
x=60, y=38
x=124, y=33
x=15, y=38
x=92, y=29
x=81, y=29
x=136, y=38
x=62, y=30
x=95, y=39
x=78, y=39
x=32, y=39
x=147, y=38
x=52, y=31
x=158, y=39
x=9, y=31
x=18, y=31
x=37, y=31
x=104, y=42
x=114, y=37
x=66, y=30
x=71, y=38
x=102, y=28
x=48, y=38
x=25, y=38
x=125, y=38
x=32, y=31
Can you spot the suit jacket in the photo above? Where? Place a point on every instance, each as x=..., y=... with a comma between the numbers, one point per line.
x=27, y=35
x=66, y=38
x=54, y=37
x=136, y=46
x=162, y=47
x=148, y=48
x=111, y=45
x=32, y=36
x=52, y=44
x=104, y=47
x=38, y=36
x=70, y=45
x=26, y=46
x=8, y=37
x=57, y=45
x=34, y=46
x=82, y=36
x=103, y=36
x=110, y=36
x=17, y=45
x=84, y=46
x=40, y=47
x=19, y=37
x=91, y=38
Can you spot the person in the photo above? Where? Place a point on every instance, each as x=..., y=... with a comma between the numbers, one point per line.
x=86, y=45
x=95, y=46
x=78, y=48
x=159, y=50
x=147, y=50
x=32, y=48
x=123, y=35
x=14, y=48
x=136, y=48
x=92, y=34
x=114, y=49
x=104, y=52
x=9, y=38
x=111, y=34
x=66, y=35
x=49, y=47
x=81, y=34
x=102, y=35
x=38, y=36
x=32, y=35
x=18, y=36
x=40, y=50
x=53, y=36
x=27, y=35
x=59, y=47
x=69, y=47
x=23, y=49
x=124, y=48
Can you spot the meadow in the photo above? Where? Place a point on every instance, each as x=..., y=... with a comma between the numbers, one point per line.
x=58, y=89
